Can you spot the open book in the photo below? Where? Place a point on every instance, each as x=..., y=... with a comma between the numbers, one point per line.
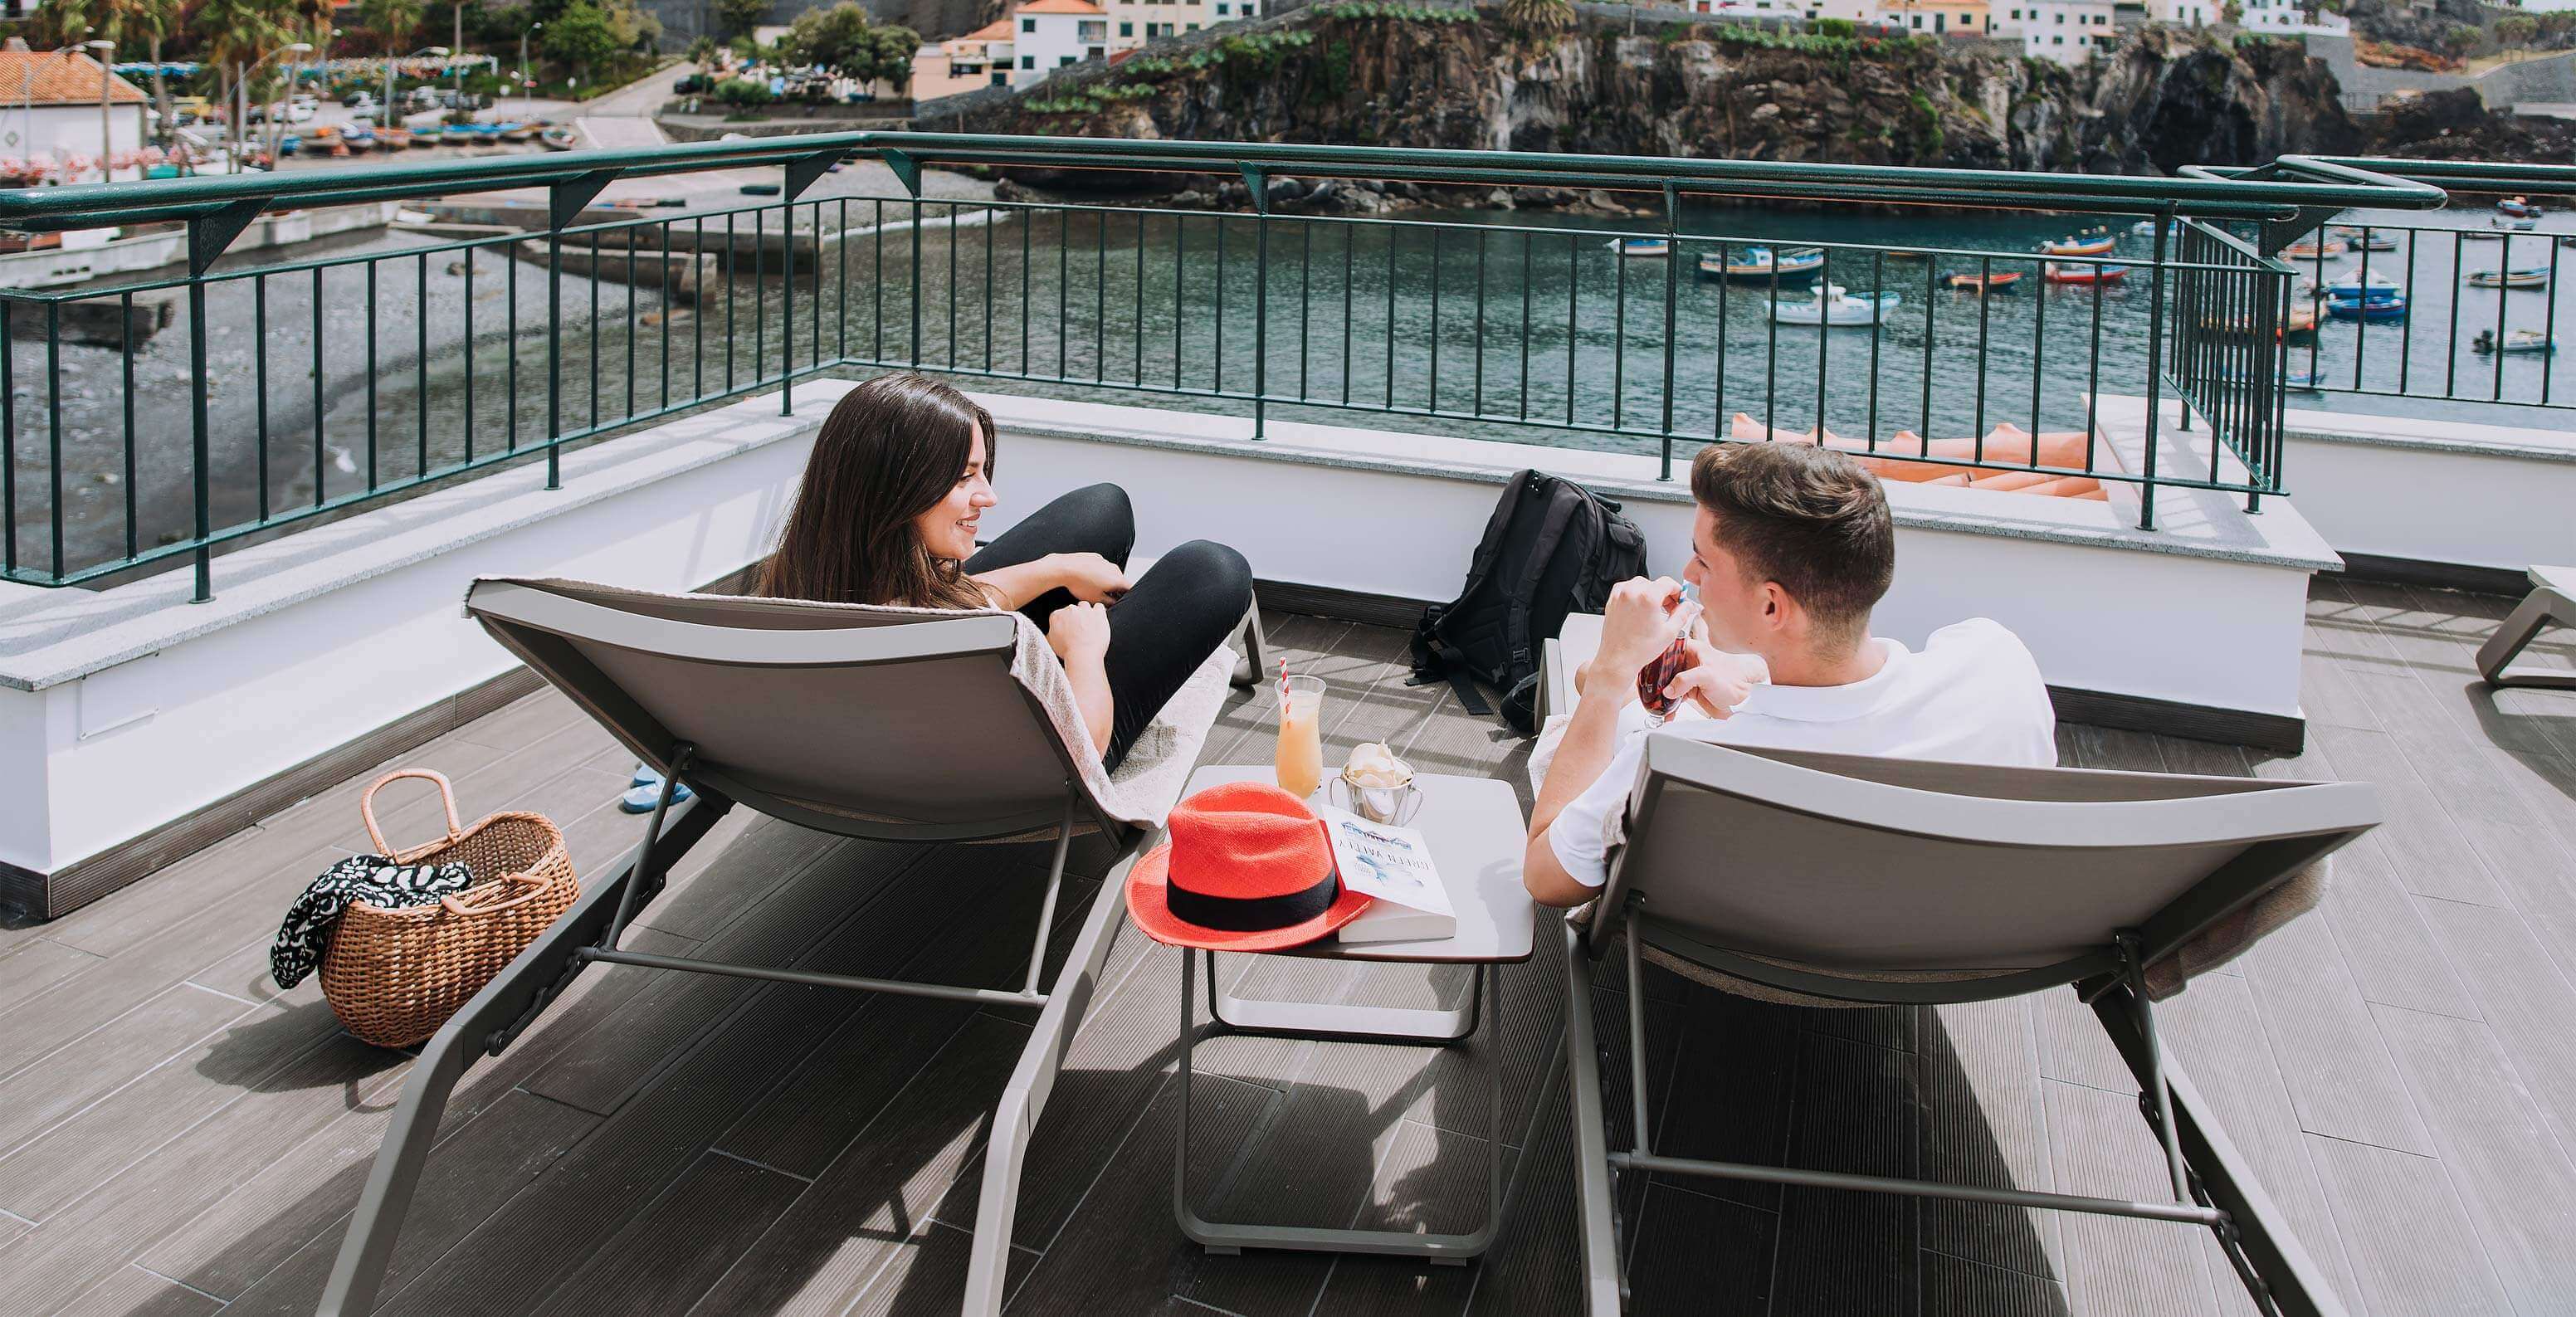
x=1392, y=865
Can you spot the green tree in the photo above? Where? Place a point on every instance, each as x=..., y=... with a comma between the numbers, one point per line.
x=583, y=36
x=1539, y=15
x=739, y=17
x=2461, y=39
x=895, y=47
x=830, y=38
x=2516, y=31
x=702, y=50
x=232, y=35
x=124, y=22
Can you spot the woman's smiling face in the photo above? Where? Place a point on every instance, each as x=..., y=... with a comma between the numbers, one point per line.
x=948, y=528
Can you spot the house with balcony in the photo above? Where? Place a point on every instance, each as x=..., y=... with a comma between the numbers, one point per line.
x=53, y=104
x=2065, y=31
x=981, y=58
x=1047, y=35
x=418, y=543
x=1938, y=17
x=2291, y=18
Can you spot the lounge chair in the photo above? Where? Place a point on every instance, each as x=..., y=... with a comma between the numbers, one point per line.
x=885, y=724
x=2552, y=602
x=1842, y=880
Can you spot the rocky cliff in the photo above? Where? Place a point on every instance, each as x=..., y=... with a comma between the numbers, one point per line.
x=1374, y=74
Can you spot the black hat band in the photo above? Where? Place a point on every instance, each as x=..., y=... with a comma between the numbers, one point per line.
x=1250, y=914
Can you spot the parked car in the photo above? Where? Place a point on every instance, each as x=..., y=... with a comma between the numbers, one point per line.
x=301, y=108
x=359, y=100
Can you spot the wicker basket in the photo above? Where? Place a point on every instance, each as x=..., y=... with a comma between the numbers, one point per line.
x=394, y=976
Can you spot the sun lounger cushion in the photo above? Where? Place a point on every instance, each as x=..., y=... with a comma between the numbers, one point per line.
x=1147, y=781
x=2215, y=946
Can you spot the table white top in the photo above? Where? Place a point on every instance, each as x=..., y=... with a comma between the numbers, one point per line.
x=1476, y=832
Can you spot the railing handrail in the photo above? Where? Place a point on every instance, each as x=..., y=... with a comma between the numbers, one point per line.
x=2464, y=175
x=2334, y=183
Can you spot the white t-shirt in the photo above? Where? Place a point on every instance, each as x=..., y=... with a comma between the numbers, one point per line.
x=1972, y=696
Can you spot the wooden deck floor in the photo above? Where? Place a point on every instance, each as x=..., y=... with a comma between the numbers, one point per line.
x=177, y=1137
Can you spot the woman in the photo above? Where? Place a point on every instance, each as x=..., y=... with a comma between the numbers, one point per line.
x=893, y=494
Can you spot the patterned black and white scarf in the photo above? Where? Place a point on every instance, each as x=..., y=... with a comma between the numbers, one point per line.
x=374, y=879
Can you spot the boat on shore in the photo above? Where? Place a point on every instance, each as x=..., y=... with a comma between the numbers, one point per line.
x=1758, y=263
x=2363, y=239
x=392, y=139
x=2518, y=207
x=2082, y=274
x=2377, y=287
x=1985, y=283
x=2317, y=249
x=559, y=139
x=2512, y=225
x=1631, y=247
x=2095, y=241
x=520, y=132
x=2515, y=340
x=1834, y=304
x=2300, y=320
x=2534, y=276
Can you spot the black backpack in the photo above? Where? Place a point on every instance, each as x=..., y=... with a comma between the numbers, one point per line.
x=1552, y=547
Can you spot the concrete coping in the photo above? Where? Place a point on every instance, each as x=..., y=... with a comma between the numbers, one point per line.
x=2429, y=435
x=49, y=637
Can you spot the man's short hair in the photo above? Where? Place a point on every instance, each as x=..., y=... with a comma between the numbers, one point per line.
x=1808, y=517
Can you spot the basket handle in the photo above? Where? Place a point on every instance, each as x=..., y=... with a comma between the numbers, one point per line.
x=367, y=804
x=536, y=889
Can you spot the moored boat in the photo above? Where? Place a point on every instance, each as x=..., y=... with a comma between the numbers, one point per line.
x=2512, y=225
x=559, y=139
x=2056, y=273
x=2090, y=242
x=2532, y=276
x=2376, y=288
x=2515, y=340
x=1641, y=246
x=2368, y=309
x=1985, y=283
x=456, y=134
x=392, y=139
x=520, y=132
x=2518, y=207
x=1834, y=305
x=1757, y=263
x=2313, y=250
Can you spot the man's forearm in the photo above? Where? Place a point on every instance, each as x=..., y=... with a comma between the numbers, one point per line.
x=1591, y=741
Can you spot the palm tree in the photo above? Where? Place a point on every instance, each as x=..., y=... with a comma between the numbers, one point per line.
x=123, y=22
x=1539, y=15
x=235, y=34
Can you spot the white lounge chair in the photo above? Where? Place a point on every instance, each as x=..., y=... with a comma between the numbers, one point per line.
x=2552, y=602
x=877, y=723
x=1842, y=880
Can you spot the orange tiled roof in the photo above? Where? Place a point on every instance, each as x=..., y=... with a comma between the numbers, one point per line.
x=55, y=77
x=1084, y=7
x=997, y=30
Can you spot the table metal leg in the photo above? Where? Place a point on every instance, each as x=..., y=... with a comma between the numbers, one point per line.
x=1229, y=1237
x=1297, y=1019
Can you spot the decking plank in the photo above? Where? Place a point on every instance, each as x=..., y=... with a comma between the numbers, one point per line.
x=59, y=1086
x=670, y=1254
x=2115, y=1265
x=2424, y=844
x=2527, y=1003
x=2514, y=1179
x=2341, y=1080
x=133, y=1292
x=2412, y=1247
x=1840, y=1251
x=271, y=1244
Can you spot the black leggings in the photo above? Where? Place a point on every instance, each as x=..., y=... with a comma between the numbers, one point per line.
x=1165, y=626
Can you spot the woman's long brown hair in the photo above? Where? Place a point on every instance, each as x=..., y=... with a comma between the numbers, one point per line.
x=891, y=450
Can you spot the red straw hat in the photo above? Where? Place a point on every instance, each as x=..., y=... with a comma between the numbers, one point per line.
x=1246, y=869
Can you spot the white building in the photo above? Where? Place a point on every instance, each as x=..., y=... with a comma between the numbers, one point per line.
x=2067, y=31
x=1132, y=23
x=980, y=58
x=49, y=108
x=1778, y=9
x=2183, y=13
x=1052, y=34
x=2288, y=18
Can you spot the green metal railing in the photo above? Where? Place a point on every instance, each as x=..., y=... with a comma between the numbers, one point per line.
x=371, y=374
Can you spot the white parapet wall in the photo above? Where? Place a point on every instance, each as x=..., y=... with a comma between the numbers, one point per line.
x=2415, y=497
x=126, y=711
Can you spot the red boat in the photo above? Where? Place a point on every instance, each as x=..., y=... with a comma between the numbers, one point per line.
x=1985, y=283
x=2083, y=274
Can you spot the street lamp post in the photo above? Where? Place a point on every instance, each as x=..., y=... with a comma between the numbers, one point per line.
x=241, y=101
x=440, y=51
x=106, y=136
x=527, y=92
x=277, y=134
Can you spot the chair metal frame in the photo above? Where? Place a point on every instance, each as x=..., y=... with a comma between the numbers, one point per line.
x=2213, y=1185
x=537, y=625
x=2546, y=606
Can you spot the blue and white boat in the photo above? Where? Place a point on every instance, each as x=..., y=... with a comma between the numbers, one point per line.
x=1834, y=305
x=1641, y=246
x=1759, y=263
x=2372, y=308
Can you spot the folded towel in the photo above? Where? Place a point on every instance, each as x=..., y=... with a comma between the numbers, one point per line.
x=374, y=879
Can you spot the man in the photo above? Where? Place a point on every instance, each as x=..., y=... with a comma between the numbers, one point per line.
x=1791, y=547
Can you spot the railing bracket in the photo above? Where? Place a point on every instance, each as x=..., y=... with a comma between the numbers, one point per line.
x=209, y=235
x=802, y=172
x=1257, y=180
x=907, y=170
x=566, y=200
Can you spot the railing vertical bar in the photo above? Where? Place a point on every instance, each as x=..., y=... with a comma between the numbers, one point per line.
x=319, y=446
x=9, y=434
x=1139, y=327
x=814, y=312
x=1771, y=348
x=1100, y=301
x=876, y=286
x=551, y=373
x=671, y=301
x=1931, y=285
x=2360, y=340
x=1825, y=279
x=1305, y=304
x=420, y=366
x=199, y=423
x=1672, y=330
x=1260, y=322
x=992, y=218
x=1573, y=292
x=2155, y=375
x=2405, y=341
x=2504, y=265
x=1391, y=236
x=632, y=310
x=786, y=312
x=2093, y=385
x=698, y=316
x=1180, y=282
x=1433, y=377
x=2039, y=354
x=759, y=298
x=1064, y=290
x=1717, y=393
x=591, y=348
x=126, y=321
x=2549, y=325
x=259, y=384
x=1477, y=405
x=470, y=254
x=2451, y=339
x=1877, y=291
x=1619, y=333
x=1985, y=318
x=1028, y=314
x=1526, y=247
x=1350, y=236
x=952, y=284
x=54, y=440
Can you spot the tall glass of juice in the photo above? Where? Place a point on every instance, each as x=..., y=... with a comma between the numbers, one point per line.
x=1301, y=735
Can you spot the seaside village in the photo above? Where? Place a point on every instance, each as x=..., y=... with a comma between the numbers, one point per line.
x=1287, y=658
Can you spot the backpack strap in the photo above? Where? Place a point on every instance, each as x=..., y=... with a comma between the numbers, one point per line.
x=1428, y=665
x=1560, y=516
